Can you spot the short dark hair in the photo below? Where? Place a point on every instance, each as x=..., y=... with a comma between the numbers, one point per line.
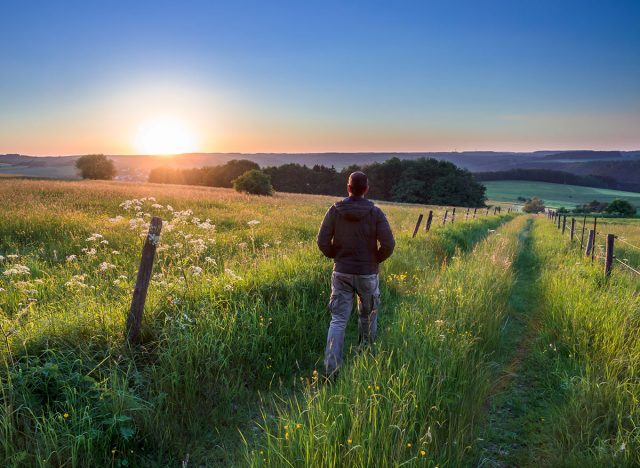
x=358, y=182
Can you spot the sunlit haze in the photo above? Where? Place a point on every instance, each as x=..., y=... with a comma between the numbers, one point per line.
x=164, y=136
x=170, y=77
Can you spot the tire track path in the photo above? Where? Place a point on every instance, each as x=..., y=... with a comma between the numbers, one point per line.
x=518, y=402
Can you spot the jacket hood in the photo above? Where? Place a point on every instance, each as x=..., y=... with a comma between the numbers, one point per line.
x=354, y=210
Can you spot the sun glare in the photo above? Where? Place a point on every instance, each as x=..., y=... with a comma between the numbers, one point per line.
x=165, y=136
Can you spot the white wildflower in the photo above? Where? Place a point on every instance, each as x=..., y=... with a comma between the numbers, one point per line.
x=157, y=206
x=230, y=272
x=76, y=281
x=71, y=258
x=104, y=266
x=12, y=256
x=196, y=270
x=115, y=252
x=116, y=219
x=253, y=222
x=169, y=207
x=210, y=260
x=17, y=270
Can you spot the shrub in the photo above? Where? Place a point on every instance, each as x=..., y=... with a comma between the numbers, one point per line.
x=534, y=205
x=621, y=207
x=255, y=182
x=96, y=166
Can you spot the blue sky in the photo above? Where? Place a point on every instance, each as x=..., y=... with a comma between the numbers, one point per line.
x=321, y=76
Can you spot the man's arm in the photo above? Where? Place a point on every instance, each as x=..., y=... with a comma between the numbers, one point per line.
x=385, y=237
x=325, y=235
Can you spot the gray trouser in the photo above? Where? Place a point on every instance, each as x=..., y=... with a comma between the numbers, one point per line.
x=343, y=287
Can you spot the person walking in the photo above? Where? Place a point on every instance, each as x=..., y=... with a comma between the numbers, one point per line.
x=355, y=233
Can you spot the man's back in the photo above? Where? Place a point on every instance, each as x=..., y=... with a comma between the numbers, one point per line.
x=350, y=233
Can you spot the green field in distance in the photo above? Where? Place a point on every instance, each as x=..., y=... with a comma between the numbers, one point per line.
x=554, y=195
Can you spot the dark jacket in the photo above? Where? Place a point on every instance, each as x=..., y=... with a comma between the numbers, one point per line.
x=350, y=233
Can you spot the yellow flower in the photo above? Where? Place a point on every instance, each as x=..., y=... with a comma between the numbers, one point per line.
x=65, y=415
x=298, y=426
x=409, y=445
x=423, y=453
x=349, y=441
x=377, y=387
x=286, y=436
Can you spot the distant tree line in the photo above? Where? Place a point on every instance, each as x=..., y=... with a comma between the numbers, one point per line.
x=548, y=175
x=421, y=180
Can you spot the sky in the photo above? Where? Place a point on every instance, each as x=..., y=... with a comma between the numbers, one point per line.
x=130, y=77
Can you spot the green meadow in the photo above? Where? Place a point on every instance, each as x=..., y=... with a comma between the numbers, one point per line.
x=554, y=195
x=500, y=344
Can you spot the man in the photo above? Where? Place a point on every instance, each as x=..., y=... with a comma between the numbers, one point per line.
x=357, y=235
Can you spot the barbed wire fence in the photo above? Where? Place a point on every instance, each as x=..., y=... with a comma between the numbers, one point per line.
x=452, y=219
x=594, y=250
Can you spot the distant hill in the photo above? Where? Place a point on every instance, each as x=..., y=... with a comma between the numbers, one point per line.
x=623, y=167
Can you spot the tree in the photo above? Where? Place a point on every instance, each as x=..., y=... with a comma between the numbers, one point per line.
x=96, y=166
x=534, y=205
x=254, y=181
x=621, y=207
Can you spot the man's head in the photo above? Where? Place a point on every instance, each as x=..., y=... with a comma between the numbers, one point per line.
x=358, y=184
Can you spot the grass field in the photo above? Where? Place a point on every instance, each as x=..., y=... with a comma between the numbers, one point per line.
x=499, y=345
x=554, y=195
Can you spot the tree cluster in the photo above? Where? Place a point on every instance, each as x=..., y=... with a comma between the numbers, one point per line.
x=421, y=180
x=616, y=208
x=96, y=166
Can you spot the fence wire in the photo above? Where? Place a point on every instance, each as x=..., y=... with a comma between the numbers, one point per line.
x=627, y=265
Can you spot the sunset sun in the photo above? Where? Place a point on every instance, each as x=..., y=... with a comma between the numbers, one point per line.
x=164, y=136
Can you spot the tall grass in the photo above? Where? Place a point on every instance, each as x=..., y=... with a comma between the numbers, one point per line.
x=417, y=397
x=588, y=352
x=233, y=312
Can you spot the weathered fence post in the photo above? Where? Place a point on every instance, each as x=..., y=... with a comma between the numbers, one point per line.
x=487, y=213
x=427, y=225
x=415, y=230
x=444, y=218
x=558, y=224
x=590, y=239
x=564, y=223
x=595, y=233
x=475, y=210
x=608, y=259
x=453, y=215
x=573, y=228
x=134, y=321
x=466, y=215
x=584, y=223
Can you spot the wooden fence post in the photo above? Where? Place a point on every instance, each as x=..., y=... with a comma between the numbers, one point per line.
x=487, y=213
x=595, y=233
x=589, y=248
x=134, y=321
x=608, y=259
x=427, y=225
x=559, y=219
x=573, y=228
x=415, y=230
x=444, y=219
x=453, y=215
x=475, y=210
x=584, y=223
x=466, y=215
x=564, y=223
